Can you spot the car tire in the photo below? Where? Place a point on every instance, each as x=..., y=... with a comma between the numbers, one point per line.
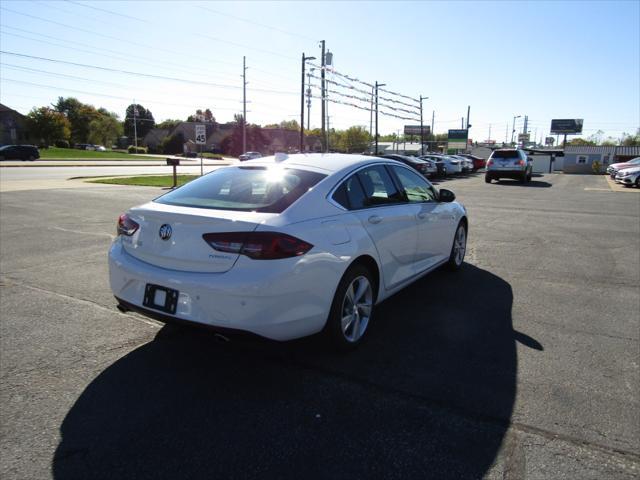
x=31, y=158
x=458, y=248
x=524, y=177
x=487, y=178
x=351, y=309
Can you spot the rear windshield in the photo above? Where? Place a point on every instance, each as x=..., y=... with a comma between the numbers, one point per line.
x=259, y=189
x=505, y=154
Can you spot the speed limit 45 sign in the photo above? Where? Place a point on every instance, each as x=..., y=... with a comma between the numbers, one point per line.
x=201, y=134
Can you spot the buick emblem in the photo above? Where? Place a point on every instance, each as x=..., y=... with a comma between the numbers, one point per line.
x=165, y=231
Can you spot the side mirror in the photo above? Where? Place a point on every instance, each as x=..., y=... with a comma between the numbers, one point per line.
x=446, y=195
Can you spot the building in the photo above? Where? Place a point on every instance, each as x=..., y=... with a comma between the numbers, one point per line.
x=13, y=127
x=154, y=138
x=580, y=158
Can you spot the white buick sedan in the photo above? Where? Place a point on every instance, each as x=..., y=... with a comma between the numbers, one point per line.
x=286, y=246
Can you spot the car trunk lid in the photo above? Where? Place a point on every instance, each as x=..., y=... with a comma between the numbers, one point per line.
x=171, y=236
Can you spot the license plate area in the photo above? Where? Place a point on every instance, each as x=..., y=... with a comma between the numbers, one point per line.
x=160, y=298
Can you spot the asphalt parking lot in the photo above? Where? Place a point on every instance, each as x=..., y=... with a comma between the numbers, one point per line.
x=522, y=365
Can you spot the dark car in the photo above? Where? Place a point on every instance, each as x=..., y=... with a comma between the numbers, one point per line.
x=19, y=152
x=421, y=166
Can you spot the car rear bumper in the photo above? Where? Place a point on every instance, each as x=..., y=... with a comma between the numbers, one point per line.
x=275, y=302
x=497, y=173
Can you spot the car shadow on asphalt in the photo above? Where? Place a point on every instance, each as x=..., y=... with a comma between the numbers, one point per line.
x=529, y=184
x=429, y=394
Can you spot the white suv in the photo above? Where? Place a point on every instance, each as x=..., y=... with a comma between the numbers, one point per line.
x=509, y=163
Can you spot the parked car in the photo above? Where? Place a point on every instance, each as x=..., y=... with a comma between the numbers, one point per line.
x=453, y=165
x=629, y=176
x=467, y=165
x=249, y=156
x=441, y=167
x=615, y=167
x=509, y=163
x=82, y=146
x=478, y=162
x=19, y=152
x=421, y=166
x=100, y=148
x=286, y=247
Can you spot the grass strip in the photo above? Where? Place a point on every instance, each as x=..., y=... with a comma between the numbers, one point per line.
x=146, y=180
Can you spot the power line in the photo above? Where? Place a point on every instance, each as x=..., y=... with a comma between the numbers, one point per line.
x=258, y=24
x=140, y=74
x=104, y=10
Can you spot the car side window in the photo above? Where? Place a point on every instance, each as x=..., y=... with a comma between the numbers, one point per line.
x=416, y=188
x=378, y=187
x=350, y=194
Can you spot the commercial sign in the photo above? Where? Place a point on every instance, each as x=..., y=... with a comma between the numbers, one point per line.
x=566, y=126
x=523, y=137
x=457, y=139
x=201, y=134
x=415, y=129
x=549, y=140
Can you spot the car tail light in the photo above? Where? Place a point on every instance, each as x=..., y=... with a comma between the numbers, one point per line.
x=258, y=245
x=126, y=226
x=489, y=162
x=520, y=162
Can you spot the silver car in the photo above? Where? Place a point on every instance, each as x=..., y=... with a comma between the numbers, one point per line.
x=629, y=176
x=509, y=163
x=249, y=156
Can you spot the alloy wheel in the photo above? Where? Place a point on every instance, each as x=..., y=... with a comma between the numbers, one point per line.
x=460, y=245
x=356, y=309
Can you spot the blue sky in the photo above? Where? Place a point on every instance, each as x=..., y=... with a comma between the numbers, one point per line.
x=541, y=59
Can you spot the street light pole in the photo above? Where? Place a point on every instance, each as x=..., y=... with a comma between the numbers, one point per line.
x=513, y=128
x=304, y=59
x=244, y=105
x=377, y=85
x=323, y=95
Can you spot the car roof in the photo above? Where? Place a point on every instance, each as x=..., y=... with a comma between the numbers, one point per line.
x=320, y=162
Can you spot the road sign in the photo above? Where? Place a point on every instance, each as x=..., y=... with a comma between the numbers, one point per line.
x=549, y=140
x=201, y=134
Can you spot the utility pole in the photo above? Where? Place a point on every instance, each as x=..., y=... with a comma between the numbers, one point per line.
x=244, y=104
x=309, y=99
x=135, y=128
x=462, y=123
x=304, y=61
x=526, y=121
x=323, y=95
x=489, y=133
x=376, y=87
x=371, y=118
x=421, y=126
x=468, y=112
x=433, y=133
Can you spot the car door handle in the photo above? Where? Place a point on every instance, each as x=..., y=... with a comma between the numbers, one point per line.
x=375, y=219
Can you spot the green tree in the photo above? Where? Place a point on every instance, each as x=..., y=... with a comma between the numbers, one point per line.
x=173, y=144
x=105, y=129
x=168, y=124
x=80, y=116
x=580, y=142
x=631, y=140
x=143, y=121
x=354, y=139
x=48, y=125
